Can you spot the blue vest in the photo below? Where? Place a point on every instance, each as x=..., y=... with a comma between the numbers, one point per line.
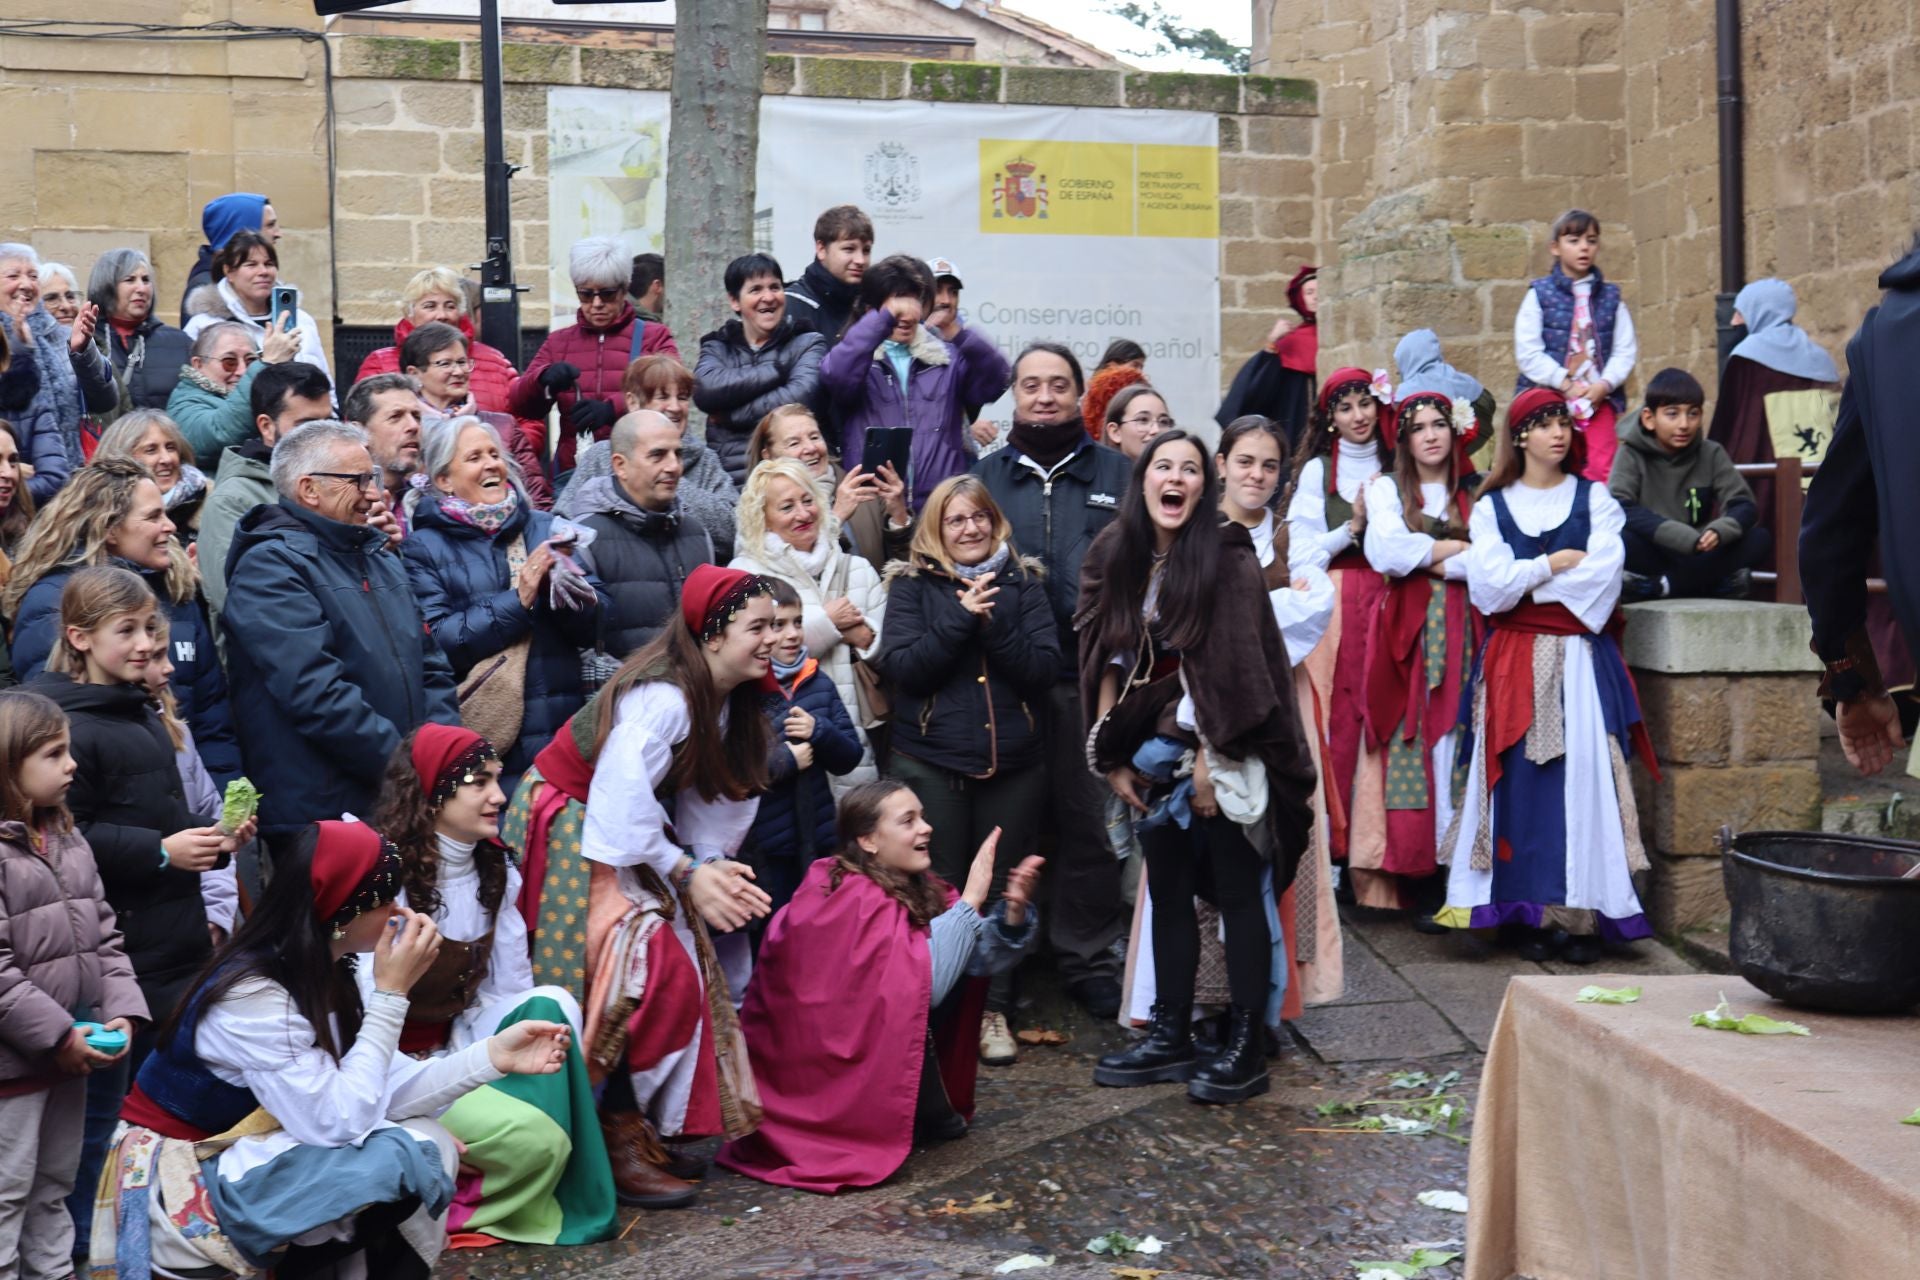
x=1555, y=295
x=180, y=1084
x=1569, y=535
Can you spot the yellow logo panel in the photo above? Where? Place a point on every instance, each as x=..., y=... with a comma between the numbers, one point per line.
x=1033, y=187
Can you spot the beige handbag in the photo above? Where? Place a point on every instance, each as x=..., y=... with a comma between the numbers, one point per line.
x=493, y=697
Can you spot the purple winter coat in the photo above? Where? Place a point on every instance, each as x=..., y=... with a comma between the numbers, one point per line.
x=60, y=949
x=944, y=383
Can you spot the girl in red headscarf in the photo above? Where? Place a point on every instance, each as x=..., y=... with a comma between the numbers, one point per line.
x=535, y=1169
x=1546, y=838
x=1348, y=444
x=1420, y=653
x=277, y=1124
x=637, y=902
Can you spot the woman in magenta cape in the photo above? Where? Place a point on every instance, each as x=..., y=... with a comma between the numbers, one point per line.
x=862, y=1033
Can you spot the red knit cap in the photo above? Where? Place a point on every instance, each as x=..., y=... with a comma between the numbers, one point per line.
x=447, y=755
x=712, y=596
x=354, y=871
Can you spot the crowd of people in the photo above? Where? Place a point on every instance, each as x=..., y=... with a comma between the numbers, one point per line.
x=592, y=752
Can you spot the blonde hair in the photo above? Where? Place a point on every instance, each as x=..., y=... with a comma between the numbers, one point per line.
x=929, y=546
x=120, y=439
x=164, y=702
x=90, y=599
x=72, y=531
x=433, y=280
x=751, y=524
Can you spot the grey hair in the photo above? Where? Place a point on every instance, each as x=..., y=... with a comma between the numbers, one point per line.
x=599, y=262
x=303, y=451
x=210, y=338
x=440, y=440
x=58, y=269
x=118, y=440
x=113, y=266
x=359, y=402
x=12, y=249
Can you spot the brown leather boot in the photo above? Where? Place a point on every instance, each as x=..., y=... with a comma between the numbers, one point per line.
x=640, y=1176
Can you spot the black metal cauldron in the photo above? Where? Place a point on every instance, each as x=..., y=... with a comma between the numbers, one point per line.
x=1825, y=921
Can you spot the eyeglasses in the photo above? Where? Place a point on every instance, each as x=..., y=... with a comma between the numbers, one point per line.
x=233, y=360
x=448, y=366
x=68, y=296
x=599, y=295
x=358, y=479
x=954, y=524
x=1163, y=422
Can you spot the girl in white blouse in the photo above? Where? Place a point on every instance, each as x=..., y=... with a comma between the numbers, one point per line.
x=1420, y=653
x=1546, y=837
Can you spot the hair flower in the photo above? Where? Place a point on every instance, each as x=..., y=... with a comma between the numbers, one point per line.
x=1464, y=420
x=1381, y=388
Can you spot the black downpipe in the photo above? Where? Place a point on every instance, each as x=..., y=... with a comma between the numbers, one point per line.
x=499, y=294
x=1733, y=175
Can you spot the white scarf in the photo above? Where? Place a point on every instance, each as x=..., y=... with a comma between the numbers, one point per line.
x=814, y=561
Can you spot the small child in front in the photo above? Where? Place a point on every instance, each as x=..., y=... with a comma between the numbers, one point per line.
x=1691, y=527
x=1573, y=334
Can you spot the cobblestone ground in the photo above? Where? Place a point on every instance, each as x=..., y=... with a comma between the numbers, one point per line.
x=1260, y=1190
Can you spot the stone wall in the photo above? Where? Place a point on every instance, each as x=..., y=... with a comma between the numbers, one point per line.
x=1452, y=130
x=119, y=142
x=407, y=122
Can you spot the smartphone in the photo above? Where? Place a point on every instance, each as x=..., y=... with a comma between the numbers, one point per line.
x=887, y=446
x=285, y=301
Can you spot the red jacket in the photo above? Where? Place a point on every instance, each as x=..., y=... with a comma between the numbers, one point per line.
x=492, y=371
x=602, y=356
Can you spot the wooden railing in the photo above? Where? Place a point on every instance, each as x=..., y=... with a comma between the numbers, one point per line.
x=1789, y=500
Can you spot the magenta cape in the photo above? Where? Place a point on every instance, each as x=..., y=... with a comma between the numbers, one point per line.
x=836, y=1023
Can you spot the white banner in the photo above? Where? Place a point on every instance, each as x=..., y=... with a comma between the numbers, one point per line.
x=1074, y=224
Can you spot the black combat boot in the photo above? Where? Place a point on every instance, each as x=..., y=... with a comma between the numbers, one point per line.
x=1165, y=1055
x=1240, y=1072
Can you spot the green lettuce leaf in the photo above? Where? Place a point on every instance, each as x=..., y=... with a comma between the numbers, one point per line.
x=1912, y=1119
x=1720, y=1018
x=241, y=802
x=1607, y=995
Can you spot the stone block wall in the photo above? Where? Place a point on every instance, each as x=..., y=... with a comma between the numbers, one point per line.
x=1728, y=693
x=119, y=142
x=407, y=121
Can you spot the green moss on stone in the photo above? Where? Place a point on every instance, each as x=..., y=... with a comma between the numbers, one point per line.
x=1183, y=91
x=851, y=78
x=778, y=77
x=626, y=68
x=538, y=63
x=1278, y=96
x=1229, y=134
x=954, y=81
x=1064, y=86
x=402, y=58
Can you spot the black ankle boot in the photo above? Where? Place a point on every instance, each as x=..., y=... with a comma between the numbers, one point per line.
x=1165, y=1055
x=1240, y=1072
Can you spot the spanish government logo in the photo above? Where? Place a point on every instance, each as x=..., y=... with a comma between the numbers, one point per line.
x=893, y=176
x=1016, y=192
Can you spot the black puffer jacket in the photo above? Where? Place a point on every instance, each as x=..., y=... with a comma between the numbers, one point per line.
x=822, y=301
x=641, y=557
x=148, y=364
x=1055, y=519
x=736, y=385
x=126, y=798
x=967, y=694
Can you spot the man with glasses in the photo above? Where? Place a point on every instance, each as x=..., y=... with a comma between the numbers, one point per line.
x=328, y=655
x=211, y=403
x=282, y=397
x=579, y=367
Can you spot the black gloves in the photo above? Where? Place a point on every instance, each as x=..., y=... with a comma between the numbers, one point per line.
x=559, y=376
x=590, y=417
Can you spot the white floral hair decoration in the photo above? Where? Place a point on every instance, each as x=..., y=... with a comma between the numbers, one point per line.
x=1381, y=387
x=1464, y=420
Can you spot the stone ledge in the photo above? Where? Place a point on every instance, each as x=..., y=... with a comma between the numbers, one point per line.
x=1064, y=86
x=954, y=81
x=1679, y=637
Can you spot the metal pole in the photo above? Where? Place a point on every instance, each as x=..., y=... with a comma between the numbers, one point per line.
x=500, y=296
x=1733, y=171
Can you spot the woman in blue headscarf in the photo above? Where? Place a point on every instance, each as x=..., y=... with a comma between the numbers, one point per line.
x=1417, y=357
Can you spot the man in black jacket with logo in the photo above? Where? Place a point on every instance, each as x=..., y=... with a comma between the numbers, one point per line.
x=1059, y=489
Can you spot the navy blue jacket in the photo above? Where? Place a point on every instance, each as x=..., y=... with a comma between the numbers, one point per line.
x=460, y=579
x=199, y=686
x=796, y=815
x=329, y=659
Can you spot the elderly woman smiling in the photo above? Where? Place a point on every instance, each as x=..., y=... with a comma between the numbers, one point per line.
x=75, y=379
x=479, y=561
x=212, y=401
x=147, y=354
x=580, y=367
x=786, y=531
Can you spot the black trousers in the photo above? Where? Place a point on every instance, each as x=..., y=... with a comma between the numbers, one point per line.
x=1084, y=914
x=1700, y=572
x=1214, y=861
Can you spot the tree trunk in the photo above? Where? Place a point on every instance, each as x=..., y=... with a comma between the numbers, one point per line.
x=713, y=144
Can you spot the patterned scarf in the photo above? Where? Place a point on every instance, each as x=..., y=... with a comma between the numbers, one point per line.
x=488, y=517
x=992, y=564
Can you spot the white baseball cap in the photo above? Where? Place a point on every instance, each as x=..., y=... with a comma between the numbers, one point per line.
x=944, y=267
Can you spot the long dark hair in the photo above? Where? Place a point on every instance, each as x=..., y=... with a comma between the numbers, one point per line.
x=19, y=512
x=1259, y=424
x=404, y=816
x=730, y=764
x=1187, y=577
x=1406, y=470
x=920, y=892
x=1509, y=463
x=282, y=941
x=1321, y=433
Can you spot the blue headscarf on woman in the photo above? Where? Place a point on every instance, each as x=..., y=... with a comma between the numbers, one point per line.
x=1418, y=358
x=1773, y=339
